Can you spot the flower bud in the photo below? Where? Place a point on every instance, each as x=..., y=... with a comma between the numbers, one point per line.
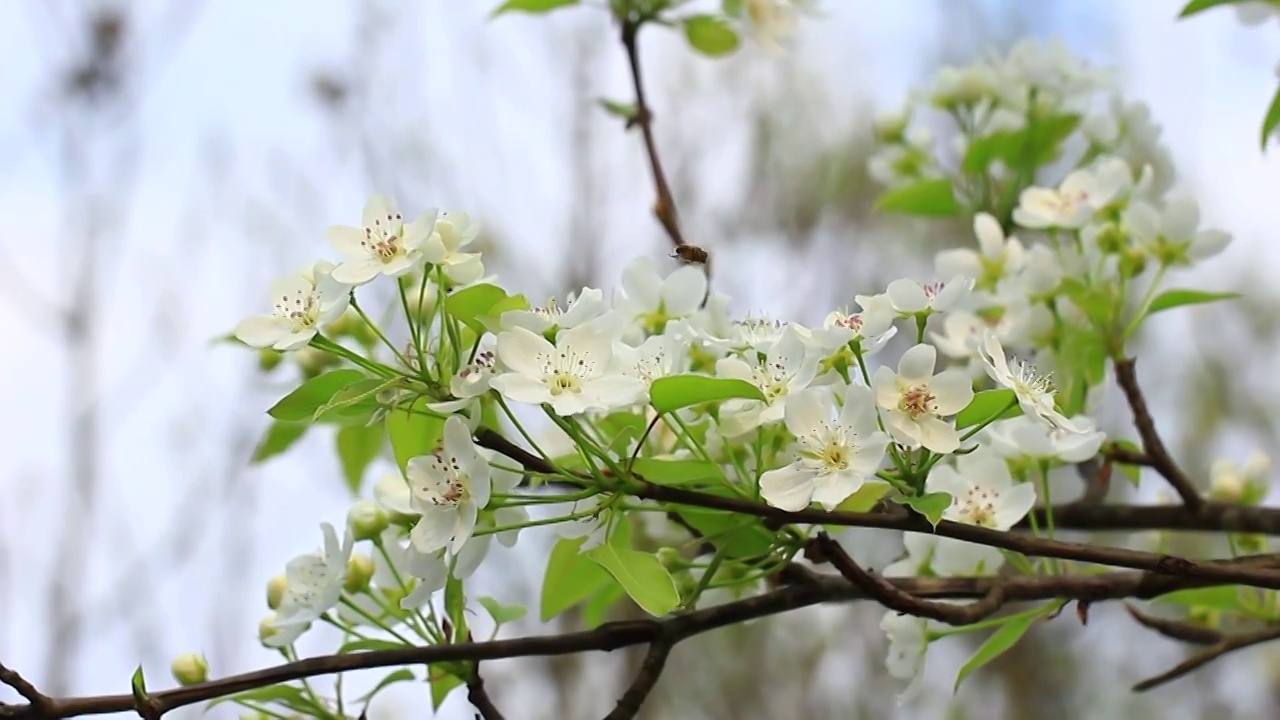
x=268, y=359
x=889, y=127
x=359, y=573
x=1250, y=543
x=267, y=628
x=312, y=362
x=1225, y=484
x=190, y=669
x=1256, y=467
x=671, y=559
x=275, y=591
x=367, y=519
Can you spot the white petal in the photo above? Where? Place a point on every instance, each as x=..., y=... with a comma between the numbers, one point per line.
x=347, y=240
x=614, y=391
x=377, y=209
x=938, y=436
x=588, y=305
x=907, y=296
x=788, y=488
x=521, y=388
x=262, y=331
x=917, y=364
x=464, y=526
x=434, y=530
x=523, y=351
x=392, y=492
x=357, y=272
x=831, y=490
x=989, y=233
x=859, y=410
x=952, y=390
x=683, y=291
x=1014, y=505
x=807, y=412
x=591, y=344
x=641, y=284
x=885, y=384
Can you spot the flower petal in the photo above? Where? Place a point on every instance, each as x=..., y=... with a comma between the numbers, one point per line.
x=787, y=488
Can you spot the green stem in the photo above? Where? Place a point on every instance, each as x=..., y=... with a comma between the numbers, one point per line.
x=321, y=342
x=378, y=331
x=992, y=418
x=1147, y=298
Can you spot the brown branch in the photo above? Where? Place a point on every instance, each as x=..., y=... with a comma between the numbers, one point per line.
x=664, y=206
x=1209, y=654
x=479, y=696
x=805, y=589
x=1208, y=517
x=1175, y=629
x=1152, y=446
x=824, y=548
x=650, y=670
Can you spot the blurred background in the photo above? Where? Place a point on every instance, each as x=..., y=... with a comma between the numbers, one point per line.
x=162, y=160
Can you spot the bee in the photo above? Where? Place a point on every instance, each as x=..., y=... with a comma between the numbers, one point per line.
x=691, y=254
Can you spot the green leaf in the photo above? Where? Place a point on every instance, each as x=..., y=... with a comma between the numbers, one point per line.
x=1133, y=472
x=986, y=403
x=930, y=505
x=398, y=676
x=353, y=403
x=1179, y=296
x=358, y=445
x=932, y=196
x=1002, y=640
x=289, y=696
x=455, y=606
x=368, y=644
x=442, y=683
x=737, y=536
x=710, y=35
x=1081, y=362
x=302, y=403
x=530, y=6
x=670, y=393
x=1028, y=148
x=280, y=436
x=1271, y=120
x=596, y=609
x=412, y=431
x=626, y=111
x=138, y=683
x=501, y=613
x=471, y=304
x=1199, y=6
x=675, y=472
x=642, y=575
x=1096, y=302
x=570, y=578
x=1222, y=597
x=865, y=497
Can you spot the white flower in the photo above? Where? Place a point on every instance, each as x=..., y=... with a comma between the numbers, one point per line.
x=1081, y=194
x=655, y=358
x=997, y=255
x=982, y=491
x=771, y=21
x=573, y=376
x=837, y=449
x=313, y=585
x=1247, y=483
x=917, y=400
x=449, y=487
x=472, y=379
x=580, y=309
x=452, y=232
x=785, y=369
x=872, y=327
x=648, y=301
x=1028, y=437
x=907, y=645
x=944, y=557
x=749, y=334
x=384, y=245
x=1035, y=392
x=1173, y=235
x=302, y=302
x=910, y=297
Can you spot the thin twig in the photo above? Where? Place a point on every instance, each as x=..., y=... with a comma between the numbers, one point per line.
x=885, y=593
x=1152, y=446
x=479, y=696
x=1209, y=654
x=664, y=206
x=38, y=701
x=650, y=670
x=1176, y=629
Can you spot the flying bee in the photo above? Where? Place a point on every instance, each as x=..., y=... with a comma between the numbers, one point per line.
x=691, y=254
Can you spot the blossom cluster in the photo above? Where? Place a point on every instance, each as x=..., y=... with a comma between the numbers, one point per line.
x=655, y=382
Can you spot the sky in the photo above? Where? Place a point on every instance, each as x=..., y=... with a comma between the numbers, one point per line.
x=237, y=175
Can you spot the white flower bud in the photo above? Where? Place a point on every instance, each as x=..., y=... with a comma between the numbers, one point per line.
x=190, y=669
x=1225, y=484
x=367, y=519
x=359, y=573
x=1257, y=467
x=275, y=591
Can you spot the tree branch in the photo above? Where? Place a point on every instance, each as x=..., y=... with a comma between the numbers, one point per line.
x=479, y=696
x=1175, y=629
x=1228, y=644
x=664, y=206
x=1152, y=446
x=650, y=670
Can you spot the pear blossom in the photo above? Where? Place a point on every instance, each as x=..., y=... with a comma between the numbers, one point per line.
x=786, y=368
x=751, y=334
x=399, y=570
x=384, y=245
x=1073, y=203
x=982, y=490
x=579, y=309
x=1035, y=392
x=452, y=232
x=647, y=301
x=771, y=22
x=908, y=642
x=910, y=297
x=1246, y=483
x=448, y=489
x=997, y=255
x=656, y=357
x=917, y=400
x=837, y=448
x=1173, y=235
x=1028, y=437
x=472, y=379
x=573, y=376
x=313, y=585
x=302, y=302
x=872, y=328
